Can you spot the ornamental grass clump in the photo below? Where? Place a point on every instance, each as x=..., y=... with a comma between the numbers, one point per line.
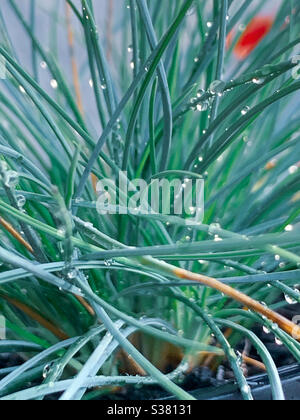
x=99, y=292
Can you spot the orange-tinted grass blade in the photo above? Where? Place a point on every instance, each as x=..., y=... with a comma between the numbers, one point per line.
x=255, y=363
x=129, y=365
x=88, y=307
x=7, y=226
x=94, y=182
x=288, y=326
x=37, y=317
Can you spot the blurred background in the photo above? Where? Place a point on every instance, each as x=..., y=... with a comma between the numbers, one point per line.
x=110, y=14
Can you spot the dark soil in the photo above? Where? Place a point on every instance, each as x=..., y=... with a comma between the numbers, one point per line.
x=204, y=378
x=8, y=360
x=199, y=378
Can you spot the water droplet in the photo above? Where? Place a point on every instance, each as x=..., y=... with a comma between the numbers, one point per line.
x=214, y=228
x=200, y=93
x=217, y=87
x=53, y=84
x=289, y=228
x=209, y=24
x=21, y=201
x=278, y=342
x=11, y=179
x=257, y=81
x=245, y=110
x=21, y=89
x=130, y=49
x=293, y=169
x=290, y=300
x=103, y=86
x=202, y=106
x=282, y=265
x=217, y=238
x=192, y=210
x=46, y=371
x=266, y=330
x=91, y=83
x=43, y=65
x=72, y=274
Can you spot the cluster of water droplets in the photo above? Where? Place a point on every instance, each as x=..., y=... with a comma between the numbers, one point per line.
x=214, y=231
x=109, y=262
x=72, y=273
x=272, y=328
x=216, y=89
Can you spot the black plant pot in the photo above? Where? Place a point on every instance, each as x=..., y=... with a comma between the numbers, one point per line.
x=260, y=386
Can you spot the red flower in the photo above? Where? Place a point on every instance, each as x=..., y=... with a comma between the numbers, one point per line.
x=255, y=32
